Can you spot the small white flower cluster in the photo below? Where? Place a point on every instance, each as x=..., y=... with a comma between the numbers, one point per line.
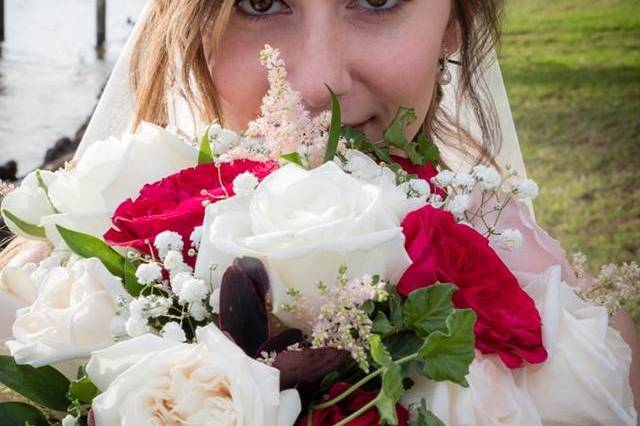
x=342, y=322
x=416, y=188
x=245, y=184
x=365, y=168
x=616, y=287
x=165, y=306
x=508, y=239
x=495, y=193
x=227, y=146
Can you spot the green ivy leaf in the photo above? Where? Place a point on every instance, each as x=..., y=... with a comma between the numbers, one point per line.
x=28, y=228
x=21, y=414
x=292, y=157
x=382, y=325
x=426, y=310
x=394, y=135
x=426, y=417
x=87, y=246
x=403, y=344
x=390, y=394
x=45, y=385
x=83, y=390
x=205, y=155
x=427, y=149
x=396, y=308
x=335, y=129
x=356, y=139
x=379, y=352
x=447, y=356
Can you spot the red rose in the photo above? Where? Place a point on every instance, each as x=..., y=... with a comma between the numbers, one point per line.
x=426, y=172
x=443, y=250
x=351, y=404
x=175, y=204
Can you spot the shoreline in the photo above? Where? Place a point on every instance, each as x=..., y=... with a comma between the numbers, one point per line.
x=61, y=151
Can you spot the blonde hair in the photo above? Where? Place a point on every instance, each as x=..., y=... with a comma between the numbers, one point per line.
x=176, y=31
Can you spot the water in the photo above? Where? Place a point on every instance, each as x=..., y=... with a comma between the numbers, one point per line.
x=50, y=74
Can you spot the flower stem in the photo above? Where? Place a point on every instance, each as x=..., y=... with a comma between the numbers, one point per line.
x=349, y=391
x=358, y=413
x=361, y=383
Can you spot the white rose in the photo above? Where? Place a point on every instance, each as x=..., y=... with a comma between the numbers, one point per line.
x=585, y=379
x=492, y=398
x=70, y=317
x=304, y=225
x=28, y=202
x=17, y=288
x=110, y=171
x=150, y=380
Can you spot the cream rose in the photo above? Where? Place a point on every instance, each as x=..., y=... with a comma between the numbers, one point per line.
x=151, y=381
x=103, y=176
x=304, y=225
x=70, y=317
x=17, y=289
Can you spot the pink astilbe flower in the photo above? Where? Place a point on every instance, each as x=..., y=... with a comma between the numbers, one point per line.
x=285, y=125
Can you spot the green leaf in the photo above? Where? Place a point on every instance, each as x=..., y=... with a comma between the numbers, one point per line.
x=83, y=390
x=21, y=414
x=379, y=352
x=427, y=149
x=45, y=385
x=382, y=325
x=355, y=138
x=334, y=130
x=293, y=157
x=206, y=155
x=390, y=394
x=396, y=308
x=426, y=417
x=426, y=310
x=447, y=356
x=89, y=246
x=403, y=344
x=131, y=282
x=29, y=229
x=42, y=184
x=394, y=135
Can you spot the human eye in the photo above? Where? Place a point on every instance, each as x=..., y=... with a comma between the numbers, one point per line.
x=261, y=8
x=377, y=6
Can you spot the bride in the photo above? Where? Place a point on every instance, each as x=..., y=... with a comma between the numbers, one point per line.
x=193, y=62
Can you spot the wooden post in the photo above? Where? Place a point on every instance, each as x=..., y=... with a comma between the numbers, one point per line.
x=101, y=23
x=1, y=20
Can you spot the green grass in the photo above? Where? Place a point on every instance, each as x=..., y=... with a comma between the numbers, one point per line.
x=572, y=70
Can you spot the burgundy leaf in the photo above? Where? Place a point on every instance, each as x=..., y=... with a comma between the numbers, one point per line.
x=256, y=272
x=91, y=421
x=282, y=341
x=307, y=366
x=243, y=313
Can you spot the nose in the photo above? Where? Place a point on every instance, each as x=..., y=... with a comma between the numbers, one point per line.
x=321, y=60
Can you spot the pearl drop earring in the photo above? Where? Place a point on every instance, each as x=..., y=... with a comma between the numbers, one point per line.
x=444, y=75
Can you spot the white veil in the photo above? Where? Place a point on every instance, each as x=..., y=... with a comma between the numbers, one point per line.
x=115, y=108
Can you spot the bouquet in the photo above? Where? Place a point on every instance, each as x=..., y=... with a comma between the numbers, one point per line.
x=297, y=274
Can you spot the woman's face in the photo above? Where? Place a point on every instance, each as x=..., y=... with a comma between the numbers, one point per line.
x=376, y=55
